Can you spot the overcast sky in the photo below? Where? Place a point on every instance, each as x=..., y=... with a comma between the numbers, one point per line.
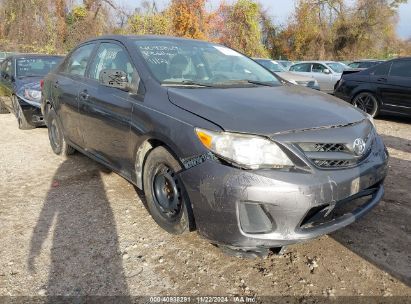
x=281, y=10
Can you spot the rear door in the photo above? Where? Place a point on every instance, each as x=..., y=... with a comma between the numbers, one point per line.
x=398, y=91
x=66, y=86
x=107, y=111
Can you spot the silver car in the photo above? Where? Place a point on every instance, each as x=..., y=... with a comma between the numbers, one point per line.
x=327, y=73
x=275, y=67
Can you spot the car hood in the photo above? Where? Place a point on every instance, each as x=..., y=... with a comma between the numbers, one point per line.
x=265, y=110
x=294, y=76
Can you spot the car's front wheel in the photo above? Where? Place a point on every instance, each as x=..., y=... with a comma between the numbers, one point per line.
x=166, y=200
x=367, y=102
x=56, y=136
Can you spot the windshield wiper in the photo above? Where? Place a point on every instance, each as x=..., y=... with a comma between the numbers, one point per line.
x=267, y=84
x=188, y=83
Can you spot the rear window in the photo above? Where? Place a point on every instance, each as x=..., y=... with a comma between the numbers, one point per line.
x=26, y=67
x=401, y=68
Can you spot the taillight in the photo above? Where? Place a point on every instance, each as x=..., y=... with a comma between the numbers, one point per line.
x=41, y=84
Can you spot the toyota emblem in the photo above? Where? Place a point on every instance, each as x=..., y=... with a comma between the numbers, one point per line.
x=359, y=146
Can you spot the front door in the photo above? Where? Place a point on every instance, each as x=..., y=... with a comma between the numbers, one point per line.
x=106, y=110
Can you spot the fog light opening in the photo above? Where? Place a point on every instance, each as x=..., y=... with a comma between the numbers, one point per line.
x=254, y=218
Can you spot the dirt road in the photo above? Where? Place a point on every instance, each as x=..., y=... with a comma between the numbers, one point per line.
x=68, y=227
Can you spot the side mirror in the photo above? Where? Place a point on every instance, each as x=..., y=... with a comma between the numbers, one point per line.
x=326, y=71
x=114, y=79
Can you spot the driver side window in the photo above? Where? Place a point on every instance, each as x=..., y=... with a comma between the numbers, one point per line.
x=318, y=68
x=114, y=57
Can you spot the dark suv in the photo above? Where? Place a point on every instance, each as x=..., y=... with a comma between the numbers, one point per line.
x=216, y=141
x=382, y=88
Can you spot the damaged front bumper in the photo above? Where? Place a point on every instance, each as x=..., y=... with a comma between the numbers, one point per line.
x=252, y=209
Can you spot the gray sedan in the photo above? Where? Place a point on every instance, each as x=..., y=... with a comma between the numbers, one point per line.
x=275, y=67
x=327, y=73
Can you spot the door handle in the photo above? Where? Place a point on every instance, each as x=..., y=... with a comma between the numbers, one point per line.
x=382, y=79
x=84, y=95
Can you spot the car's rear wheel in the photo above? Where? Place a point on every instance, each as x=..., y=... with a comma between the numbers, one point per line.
x=166, y=200
x=57, y=142
x=21, y=119
x=367, y=102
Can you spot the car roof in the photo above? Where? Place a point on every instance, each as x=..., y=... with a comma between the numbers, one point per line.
x=124, y=38
x=32, y=55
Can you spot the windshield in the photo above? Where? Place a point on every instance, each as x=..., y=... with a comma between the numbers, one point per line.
x=337, y=67
x=271, y=65
x=27, y=67
x=196, y=63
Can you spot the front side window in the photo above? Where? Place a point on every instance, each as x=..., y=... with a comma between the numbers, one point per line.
x=182, y=62
x=76, y=64
x=114, y=57
x=318, y=68
x=381, y=69
x=39, y=66
x=401, y=68
x=301, y=67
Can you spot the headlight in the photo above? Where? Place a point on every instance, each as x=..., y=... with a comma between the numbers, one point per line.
x=251, y=152
x=32, y=95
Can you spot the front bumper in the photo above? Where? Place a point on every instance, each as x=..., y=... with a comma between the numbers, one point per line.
x=32, y=113
x=218, y=191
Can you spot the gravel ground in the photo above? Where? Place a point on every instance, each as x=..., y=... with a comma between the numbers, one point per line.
x=69, y=227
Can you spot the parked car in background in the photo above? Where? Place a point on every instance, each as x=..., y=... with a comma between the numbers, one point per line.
x=4, y=55
x=228, y=149
x=294, y=78
x=285, y=63
x=364, y=63
x=383, y=88
x=327, y=73
x=20, y=92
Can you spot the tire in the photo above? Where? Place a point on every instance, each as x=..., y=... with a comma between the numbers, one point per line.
x=21, y=119
x=56, y=137
x=367, y=102
x=166, y=199
x=3, y=109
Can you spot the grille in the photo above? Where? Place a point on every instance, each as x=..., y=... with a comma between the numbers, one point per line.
x=325, y=163
x=323, y=147
x=329, y=147
x=334, y=155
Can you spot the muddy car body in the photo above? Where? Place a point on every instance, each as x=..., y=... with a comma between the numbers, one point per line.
x=226, y=149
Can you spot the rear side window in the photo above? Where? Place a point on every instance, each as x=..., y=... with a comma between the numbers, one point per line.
x=76, y=64
x=382, y=69
x=111, y=56
x=303, y=67
x=401, y=68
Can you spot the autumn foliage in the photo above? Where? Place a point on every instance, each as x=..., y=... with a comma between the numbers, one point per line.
x=317, y=29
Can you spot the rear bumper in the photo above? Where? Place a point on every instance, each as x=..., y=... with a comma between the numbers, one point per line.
x=219, y=193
